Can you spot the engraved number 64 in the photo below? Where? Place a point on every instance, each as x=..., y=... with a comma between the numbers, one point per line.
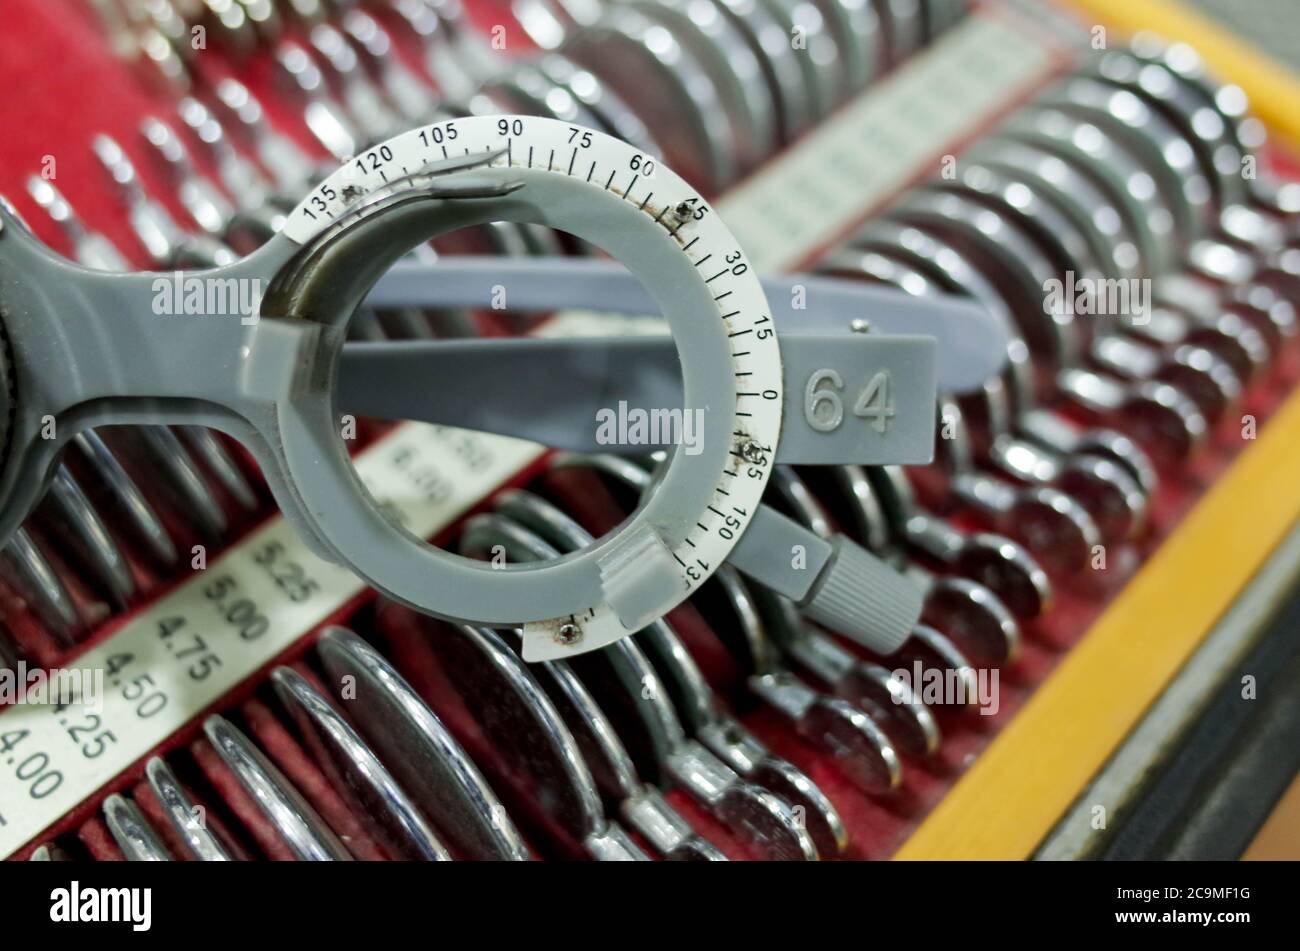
x=824, y=408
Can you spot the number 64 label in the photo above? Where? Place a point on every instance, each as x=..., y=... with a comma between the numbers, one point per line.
x=823, y=405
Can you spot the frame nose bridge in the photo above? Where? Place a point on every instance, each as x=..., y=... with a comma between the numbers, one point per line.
x=140, y=335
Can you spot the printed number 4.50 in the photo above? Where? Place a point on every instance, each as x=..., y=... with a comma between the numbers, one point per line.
x=823, y=406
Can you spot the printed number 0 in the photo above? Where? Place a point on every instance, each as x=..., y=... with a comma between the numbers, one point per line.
x=824, y=409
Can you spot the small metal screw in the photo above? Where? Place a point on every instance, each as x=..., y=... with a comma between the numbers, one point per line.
x=683, y=209
x=568, y=634
x=752, y=452
x=350, y=192
x=860, y=326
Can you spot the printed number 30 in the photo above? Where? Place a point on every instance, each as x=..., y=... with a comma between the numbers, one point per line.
x=824, y=408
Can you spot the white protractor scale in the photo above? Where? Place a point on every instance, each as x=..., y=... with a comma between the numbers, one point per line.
x=625, y=202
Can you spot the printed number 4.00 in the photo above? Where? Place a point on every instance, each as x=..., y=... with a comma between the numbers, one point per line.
x=823, y=406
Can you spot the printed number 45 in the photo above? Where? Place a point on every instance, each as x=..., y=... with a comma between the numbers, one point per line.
x=823, y=406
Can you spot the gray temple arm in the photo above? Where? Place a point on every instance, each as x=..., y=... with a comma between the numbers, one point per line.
x=586, y=394
x=971, y=341
x=570, y=385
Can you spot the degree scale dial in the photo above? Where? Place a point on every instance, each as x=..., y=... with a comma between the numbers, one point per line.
x=606, y=191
